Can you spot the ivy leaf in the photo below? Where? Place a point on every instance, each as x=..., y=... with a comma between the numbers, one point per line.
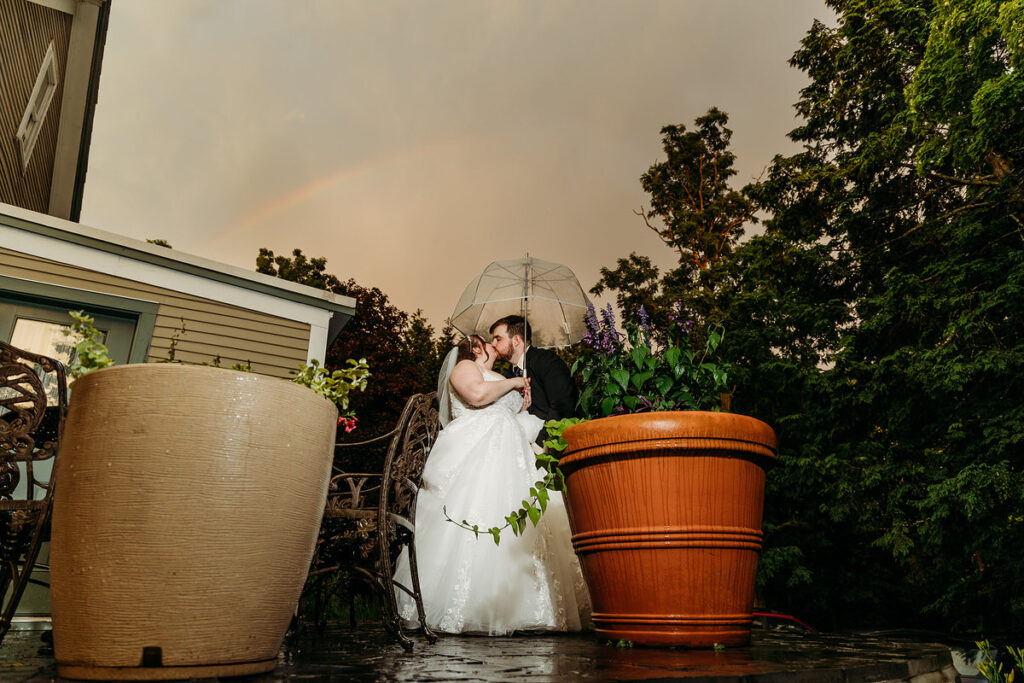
x=542, y=498
x=534, y=514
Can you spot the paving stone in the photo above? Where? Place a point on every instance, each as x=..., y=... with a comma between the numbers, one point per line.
x=368, y=654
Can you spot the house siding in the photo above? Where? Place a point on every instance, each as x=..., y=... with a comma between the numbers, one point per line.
x=21, y=56
x=199, y=329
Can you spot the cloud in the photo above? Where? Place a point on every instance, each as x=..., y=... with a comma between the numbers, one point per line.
x=413, y=142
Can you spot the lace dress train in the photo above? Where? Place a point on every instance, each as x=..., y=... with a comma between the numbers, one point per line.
x=480, y=469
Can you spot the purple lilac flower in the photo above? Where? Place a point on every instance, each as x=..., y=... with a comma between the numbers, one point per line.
x=609, y=316
x=609, y=338
x=675, y=315
x=593, y=334
x=645, y=320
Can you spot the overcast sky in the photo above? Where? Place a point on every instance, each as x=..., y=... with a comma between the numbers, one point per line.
x=413, y=142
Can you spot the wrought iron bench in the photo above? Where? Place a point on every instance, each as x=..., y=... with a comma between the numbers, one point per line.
x=369, y=520
x=31, y=427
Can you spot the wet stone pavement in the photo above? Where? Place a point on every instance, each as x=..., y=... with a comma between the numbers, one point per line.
x=368, y=654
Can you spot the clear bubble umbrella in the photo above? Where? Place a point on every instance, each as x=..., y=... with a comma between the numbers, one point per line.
x=546, y=294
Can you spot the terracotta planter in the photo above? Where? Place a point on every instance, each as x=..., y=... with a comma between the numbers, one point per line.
x=665, y=511
x=184, y=522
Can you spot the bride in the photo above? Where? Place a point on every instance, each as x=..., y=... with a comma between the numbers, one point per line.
x=480, y=469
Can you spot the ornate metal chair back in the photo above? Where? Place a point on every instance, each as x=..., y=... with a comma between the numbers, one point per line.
x=33, y=406
x=403, y=468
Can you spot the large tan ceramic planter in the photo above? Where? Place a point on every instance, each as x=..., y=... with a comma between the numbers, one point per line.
x=184, y=521
x=666, y=511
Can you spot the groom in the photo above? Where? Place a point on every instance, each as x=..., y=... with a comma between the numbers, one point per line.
x=552, y=391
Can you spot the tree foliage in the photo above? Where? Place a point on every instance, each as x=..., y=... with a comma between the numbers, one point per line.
x=400, y=349
x=901, y=219
x=878, y=323
x=697, y=213
x=693, y=209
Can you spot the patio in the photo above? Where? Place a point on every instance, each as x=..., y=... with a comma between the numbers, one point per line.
x=369, y=654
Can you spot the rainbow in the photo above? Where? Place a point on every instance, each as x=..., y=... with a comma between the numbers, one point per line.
x=304, y=193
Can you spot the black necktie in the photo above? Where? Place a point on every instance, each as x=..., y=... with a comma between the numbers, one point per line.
x=517, y=371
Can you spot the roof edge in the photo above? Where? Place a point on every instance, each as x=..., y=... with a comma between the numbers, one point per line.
x=91, y=98
x=127, y=247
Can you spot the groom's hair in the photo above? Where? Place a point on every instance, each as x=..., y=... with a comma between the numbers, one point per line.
x=515, y=325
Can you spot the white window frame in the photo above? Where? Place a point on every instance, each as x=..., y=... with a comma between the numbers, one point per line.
x=38, y=104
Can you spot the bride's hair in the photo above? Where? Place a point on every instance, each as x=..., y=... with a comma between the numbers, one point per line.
x=466, y=346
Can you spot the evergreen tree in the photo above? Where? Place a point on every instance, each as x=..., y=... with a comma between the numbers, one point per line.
x=878, y=323
x=696, y=213
x=881, y=316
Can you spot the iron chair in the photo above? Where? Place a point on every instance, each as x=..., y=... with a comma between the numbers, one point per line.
x=370, y=519
x=30, y=432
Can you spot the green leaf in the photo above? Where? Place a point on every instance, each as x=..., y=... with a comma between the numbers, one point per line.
x=638, y=379
x=586, y=395
x=621, y=377
x=534, y=514
x=638, y=354
x=608, y=405
x=542, y=498
x=663, y=383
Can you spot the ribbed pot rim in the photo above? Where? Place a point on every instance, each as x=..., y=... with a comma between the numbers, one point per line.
x=265, y=382
x=622, y=433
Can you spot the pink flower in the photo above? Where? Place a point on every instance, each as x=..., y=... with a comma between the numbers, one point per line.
x=349, y=423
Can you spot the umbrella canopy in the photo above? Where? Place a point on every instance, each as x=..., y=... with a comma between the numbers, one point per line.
x=546, y=294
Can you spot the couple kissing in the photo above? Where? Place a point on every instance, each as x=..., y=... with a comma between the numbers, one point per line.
x=481, y=465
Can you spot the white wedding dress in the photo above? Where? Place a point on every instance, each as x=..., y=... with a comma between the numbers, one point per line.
x=481, y=468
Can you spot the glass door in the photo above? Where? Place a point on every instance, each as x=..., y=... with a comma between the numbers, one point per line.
x=41, y=328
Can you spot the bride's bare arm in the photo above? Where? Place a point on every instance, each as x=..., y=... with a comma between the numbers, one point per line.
x=470, y=384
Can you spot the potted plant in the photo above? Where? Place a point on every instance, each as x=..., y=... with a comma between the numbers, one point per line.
x=665, y=492
x=187, y=510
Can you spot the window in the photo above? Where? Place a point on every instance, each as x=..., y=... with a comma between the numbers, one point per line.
x=48, y=339
x=38, y=104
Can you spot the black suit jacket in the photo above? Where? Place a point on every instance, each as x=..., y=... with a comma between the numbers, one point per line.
x=551, y=387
